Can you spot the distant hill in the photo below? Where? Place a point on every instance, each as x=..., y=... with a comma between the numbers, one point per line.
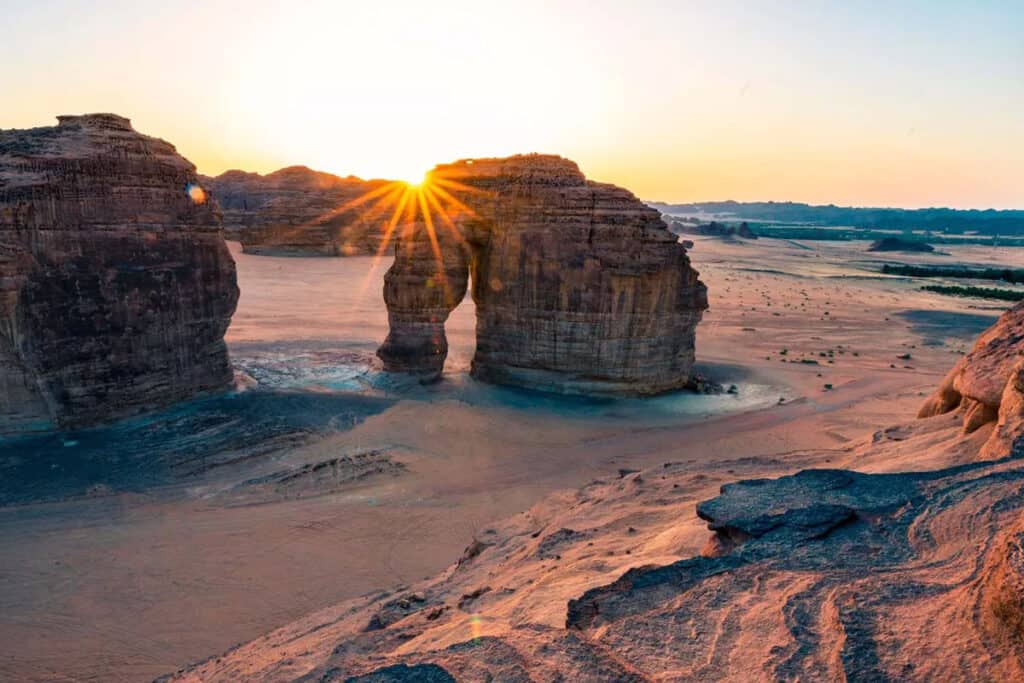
x=296, y=211
x=1006, y=223
x=713, y=229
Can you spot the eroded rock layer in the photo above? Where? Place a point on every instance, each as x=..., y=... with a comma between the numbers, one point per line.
x=579, y=287
x=987, y=386
x=297, y=211
x=833, y=575
x=116, y=286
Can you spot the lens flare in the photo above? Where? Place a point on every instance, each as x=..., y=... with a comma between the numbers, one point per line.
x=195, y=193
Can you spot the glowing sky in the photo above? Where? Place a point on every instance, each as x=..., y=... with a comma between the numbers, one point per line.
x=863, y=103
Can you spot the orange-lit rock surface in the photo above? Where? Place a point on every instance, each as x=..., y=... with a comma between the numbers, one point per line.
x=986, y=386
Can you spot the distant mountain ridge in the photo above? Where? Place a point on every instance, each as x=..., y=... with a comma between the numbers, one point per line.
x=984, y=221
x=296, y=211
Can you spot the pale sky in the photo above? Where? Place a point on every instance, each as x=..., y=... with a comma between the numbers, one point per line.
x=856, y=103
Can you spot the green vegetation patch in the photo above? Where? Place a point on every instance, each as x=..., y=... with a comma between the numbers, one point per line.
x=979, y=292
x=1011, y=275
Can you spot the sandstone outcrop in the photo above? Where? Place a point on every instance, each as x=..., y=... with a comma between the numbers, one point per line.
x=297, y=211
x=986, y=386
x=833, y=575
x=116, y=286
x=579, y=287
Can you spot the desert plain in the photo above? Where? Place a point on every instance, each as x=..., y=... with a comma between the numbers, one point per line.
x=136, y=549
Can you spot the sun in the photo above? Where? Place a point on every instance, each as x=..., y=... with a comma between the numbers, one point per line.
x=415, y=180
x=428, y=205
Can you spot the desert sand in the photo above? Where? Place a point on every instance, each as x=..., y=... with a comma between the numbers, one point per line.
x=323, y=481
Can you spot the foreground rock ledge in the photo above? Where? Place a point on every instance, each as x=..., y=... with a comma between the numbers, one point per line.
x=579, y=287
x=116, y=286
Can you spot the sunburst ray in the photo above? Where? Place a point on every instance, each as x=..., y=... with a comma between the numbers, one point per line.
x=435, y=203
x=454, y=201
x=459, y=187
x=415, y=207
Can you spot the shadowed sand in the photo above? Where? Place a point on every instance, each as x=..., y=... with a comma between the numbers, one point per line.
x=137, y=549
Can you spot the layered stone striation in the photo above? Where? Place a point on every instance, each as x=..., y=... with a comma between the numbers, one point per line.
x=297, y=211
x=116, y=285
x=579, y=287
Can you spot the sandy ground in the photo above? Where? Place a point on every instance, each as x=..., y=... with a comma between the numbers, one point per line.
x=138, y=580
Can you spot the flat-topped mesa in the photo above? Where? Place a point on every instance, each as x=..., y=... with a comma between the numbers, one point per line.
x=296, y=211
x=116, y=286
x=579, y=287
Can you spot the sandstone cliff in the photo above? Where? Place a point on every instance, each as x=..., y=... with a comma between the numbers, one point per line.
x=579, y=287
x=116, y=286
x=297, y=211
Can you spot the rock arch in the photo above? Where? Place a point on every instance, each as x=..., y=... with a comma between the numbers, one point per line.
x=579, y=286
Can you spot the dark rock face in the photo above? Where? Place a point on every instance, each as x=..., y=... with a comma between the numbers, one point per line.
x=899, y=244
x=579, y=287
x=400, y=673
x=297, y=211
x=116, y=286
